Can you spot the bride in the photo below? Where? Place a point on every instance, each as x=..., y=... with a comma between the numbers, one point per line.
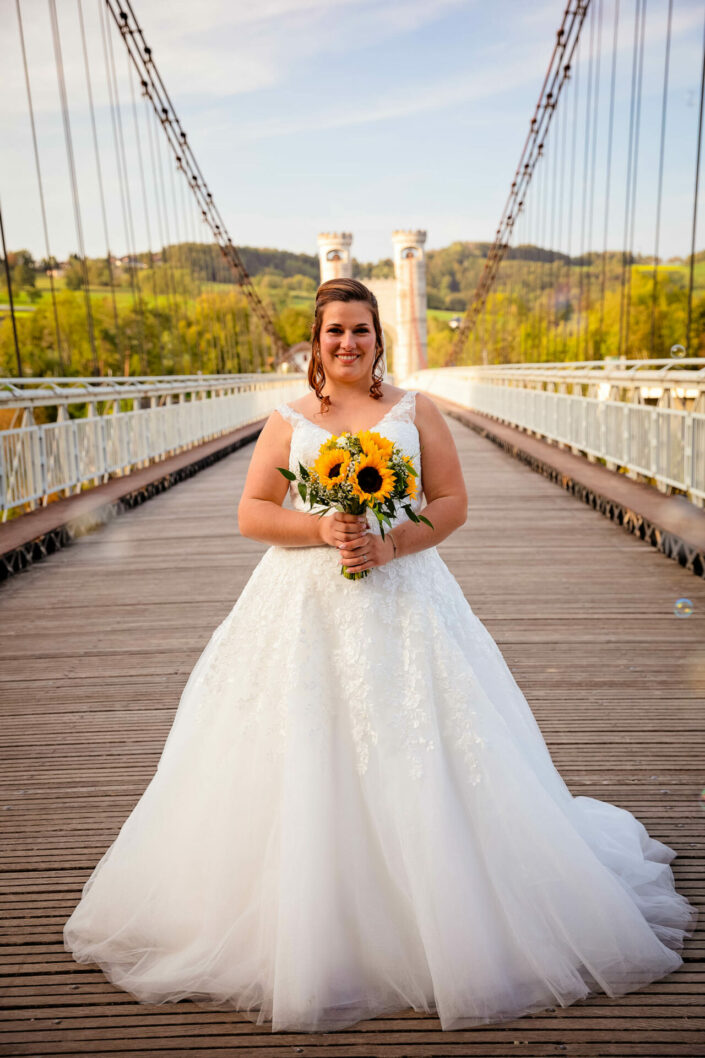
x=355, y=811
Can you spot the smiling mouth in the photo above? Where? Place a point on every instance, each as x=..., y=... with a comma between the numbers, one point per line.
x=348, y=358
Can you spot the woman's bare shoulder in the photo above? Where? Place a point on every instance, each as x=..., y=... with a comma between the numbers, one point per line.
x=277, y=424
x=426, y=406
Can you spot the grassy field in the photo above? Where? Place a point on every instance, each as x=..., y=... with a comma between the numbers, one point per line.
x=442, y=314
x=674, y=269
x=295, y=298
x=123, y=294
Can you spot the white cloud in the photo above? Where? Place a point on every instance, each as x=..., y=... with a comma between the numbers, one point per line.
x=211, y=49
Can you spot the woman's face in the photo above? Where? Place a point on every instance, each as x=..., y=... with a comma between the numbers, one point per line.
x=347, y=341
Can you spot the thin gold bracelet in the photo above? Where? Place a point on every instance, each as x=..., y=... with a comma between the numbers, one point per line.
x=389, y=533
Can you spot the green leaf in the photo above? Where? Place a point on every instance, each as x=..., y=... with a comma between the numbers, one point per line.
x=412, y=514
x=302, y=491
x=422, y=519
x=304, y=472
x=287, y=473
x=412, y=470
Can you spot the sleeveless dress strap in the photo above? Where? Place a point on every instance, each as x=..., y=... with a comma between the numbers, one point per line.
x=405, y=408
x=288, y=413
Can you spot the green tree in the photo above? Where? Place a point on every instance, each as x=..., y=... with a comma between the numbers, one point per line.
x=73, y=274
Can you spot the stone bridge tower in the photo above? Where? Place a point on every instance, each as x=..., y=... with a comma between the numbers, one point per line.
x=411, y=349
x=334, y=255
x=402, y=300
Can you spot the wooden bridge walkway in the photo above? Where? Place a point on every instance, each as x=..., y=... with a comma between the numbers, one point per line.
x=96, y=644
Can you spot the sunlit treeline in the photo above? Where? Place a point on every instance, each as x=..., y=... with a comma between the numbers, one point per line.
x=215, y=332
x=550, y=314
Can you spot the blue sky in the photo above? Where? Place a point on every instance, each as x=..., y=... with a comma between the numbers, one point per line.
x=317, y=115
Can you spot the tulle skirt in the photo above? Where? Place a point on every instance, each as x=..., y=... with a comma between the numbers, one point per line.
x=355, y=813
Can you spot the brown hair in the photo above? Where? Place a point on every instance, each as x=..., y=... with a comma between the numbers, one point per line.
x=343, y=290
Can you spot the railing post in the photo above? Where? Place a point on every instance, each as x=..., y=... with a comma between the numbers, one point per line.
x=42, y=449
x=654, y=452
x=688, y=461
x=3, y=482
x=100, y=446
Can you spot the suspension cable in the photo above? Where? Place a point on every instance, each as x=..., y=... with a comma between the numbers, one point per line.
x=104, y=31
x=566, y=41
x=573, y=156
x=40, y=182
x=659, y=193
x=99, y=173
x=635, y=172
x=626, y=261
x=608, y=167
x=143, y=60
x=73, y=179
x=145, y=197
x=132, y=242
x=695, y=202
x=8, y=280
x=582, y=307
x=593, y=174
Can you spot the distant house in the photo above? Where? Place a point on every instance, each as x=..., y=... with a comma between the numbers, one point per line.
x=128, y=261
x=297, y=357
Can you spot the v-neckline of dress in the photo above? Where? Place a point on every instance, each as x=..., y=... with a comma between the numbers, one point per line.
x=367, y=429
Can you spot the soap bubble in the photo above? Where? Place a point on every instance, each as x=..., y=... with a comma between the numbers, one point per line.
x=683, y=608
x=678, y=350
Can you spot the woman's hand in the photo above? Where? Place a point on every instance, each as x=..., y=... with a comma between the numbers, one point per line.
x=338, y=528
x=358, y=548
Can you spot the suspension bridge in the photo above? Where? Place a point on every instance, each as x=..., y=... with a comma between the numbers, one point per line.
x=136, y=377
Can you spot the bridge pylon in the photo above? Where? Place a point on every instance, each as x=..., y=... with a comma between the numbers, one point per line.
x=334, y=255
x=411, y=350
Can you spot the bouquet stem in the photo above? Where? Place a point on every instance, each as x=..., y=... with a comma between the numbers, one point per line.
x=357, y=575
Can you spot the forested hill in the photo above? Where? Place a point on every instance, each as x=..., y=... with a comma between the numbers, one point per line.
x=180, y=309
x=452, y=273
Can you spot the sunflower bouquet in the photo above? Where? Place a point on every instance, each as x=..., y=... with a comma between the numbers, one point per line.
x=355, y=472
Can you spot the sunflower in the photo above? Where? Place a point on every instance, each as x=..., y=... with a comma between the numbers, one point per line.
x=375, y=442
x=372, y=480
x=332, y=466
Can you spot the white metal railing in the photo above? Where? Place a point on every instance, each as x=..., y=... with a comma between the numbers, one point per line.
x=143, y=420
x=167, y=416
x=663, y=445
x=39, y=392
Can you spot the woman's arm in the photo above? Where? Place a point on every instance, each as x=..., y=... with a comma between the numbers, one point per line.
x=443, y=483
x=260, y=514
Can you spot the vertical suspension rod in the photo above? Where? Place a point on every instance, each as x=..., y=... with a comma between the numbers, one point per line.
x=559, y=66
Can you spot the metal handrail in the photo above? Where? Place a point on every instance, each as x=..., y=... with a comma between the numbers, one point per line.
x=662, y=445
x=41, y=461
x=37, y=392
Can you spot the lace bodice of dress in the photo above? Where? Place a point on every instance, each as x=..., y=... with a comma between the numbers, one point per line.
x=398, y=425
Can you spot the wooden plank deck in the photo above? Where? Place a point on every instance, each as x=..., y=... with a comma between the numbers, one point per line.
x=96, y=644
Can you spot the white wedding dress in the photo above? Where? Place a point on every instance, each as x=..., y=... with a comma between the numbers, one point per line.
x=355, y=812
